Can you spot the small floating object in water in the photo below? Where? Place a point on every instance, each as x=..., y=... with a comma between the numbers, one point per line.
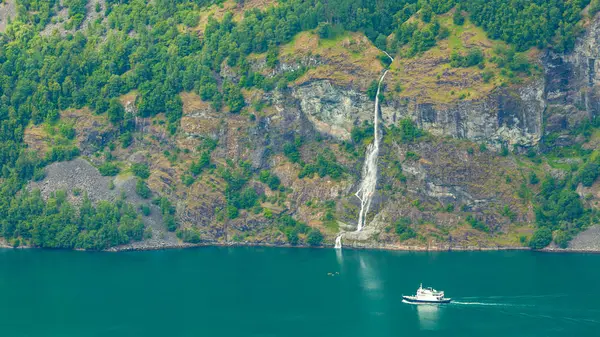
x=427, y=295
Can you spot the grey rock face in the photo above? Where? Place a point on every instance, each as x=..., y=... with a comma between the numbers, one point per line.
x=507, y=116
x=512, y=116
x=332, y=109
x=572, y=88
x=588, y=240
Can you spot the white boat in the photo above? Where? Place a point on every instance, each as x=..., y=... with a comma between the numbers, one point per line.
x=427, y=295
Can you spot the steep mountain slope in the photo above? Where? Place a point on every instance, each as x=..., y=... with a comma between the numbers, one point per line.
x=248, y=123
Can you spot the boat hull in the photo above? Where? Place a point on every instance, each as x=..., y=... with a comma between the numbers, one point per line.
x=414, y=300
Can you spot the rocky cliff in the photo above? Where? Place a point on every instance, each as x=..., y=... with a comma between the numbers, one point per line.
x=511, y=116
x=572, y=84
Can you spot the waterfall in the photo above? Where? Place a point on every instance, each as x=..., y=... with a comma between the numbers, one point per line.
x=388, y=55
x=338, y=242
x=369, y=171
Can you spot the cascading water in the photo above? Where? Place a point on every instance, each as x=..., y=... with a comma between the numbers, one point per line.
x=338, y=242
x=369, y=172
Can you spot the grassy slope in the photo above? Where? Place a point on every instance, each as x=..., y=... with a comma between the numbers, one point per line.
x=430, y=77
x=351, y=58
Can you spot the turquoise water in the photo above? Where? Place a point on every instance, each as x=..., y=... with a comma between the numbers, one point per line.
x=288, y=292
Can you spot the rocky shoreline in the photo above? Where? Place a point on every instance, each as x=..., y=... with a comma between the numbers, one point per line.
x=165, y=246
x=587, y=241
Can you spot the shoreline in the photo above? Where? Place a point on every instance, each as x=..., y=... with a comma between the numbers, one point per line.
x=129, y=248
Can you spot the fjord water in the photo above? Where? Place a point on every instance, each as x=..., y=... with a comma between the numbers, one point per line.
x=257, y=291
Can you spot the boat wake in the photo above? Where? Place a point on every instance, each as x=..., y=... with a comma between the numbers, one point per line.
x=554, y=317
x=514, y=297
x=504, y=301
x=465, y=303
x=532, y=311
x=483, y=303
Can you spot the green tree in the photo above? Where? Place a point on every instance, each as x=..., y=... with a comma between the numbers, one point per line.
x=562, y=239
x=272, y=57
x=233, y=97
x=115, y=111
x=324, y=30
x=145, y=209
x=381, y=42
x=533, y=178
x=108, y=169
x=232, y=212
x=477, y=224
x=589, y=174
x=126, y=139
x=140, y=170
x=541, y=238
x=187, y=180
x=204, y=162
x=372, y=90
x=292, y=237
x=142, y=189
x=426, y=13
x=170, y=222
x=403, y=229
x=189, y=235
x=315, y=237
x=487, y=76
x=290, y=150
x=458, y=18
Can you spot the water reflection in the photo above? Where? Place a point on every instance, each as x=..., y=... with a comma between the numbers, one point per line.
x=339, y=256
x=374, y=305
x=370, y=279
x=428, y=316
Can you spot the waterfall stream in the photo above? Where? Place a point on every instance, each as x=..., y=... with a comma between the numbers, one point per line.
x=338, y=242
x=369, y=172
x=367, y=186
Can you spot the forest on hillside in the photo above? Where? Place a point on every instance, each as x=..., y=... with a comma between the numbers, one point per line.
x=152, y=47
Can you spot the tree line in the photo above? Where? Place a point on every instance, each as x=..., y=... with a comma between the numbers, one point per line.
x=56, y=223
